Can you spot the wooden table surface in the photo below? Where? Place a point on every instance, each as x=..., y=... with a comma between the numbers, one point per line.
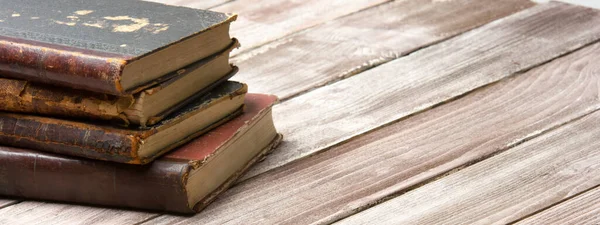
x=406, y=112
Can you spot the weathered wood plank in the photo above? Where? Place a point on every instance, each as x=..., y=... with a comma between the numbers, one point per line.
x=362, y=40
x=357, y=174
x=263, y=21
x=39, y=213
x=582, y=209
x=200, y=4
x=506, y=187
x=327, y=116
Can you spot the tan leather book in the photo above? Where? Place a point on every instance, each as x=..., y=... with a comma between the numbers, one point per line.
x=145, y=108
x=125, y=145
x=183, y=181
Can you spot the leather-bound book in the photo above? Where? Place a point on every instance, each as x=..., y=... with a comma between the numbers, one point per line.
x=183, y=181
x=145, y=108
x=103, y=141
x=105, y=46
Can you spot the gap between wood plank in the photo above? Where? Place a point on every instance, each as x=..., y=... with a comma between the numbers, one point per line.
x=470, y=188
x=474, y=162
x=233, y=1
x=498, y=12
x=359, y=70
x=459, y=168
x=246, y=50
x=570, y=198
x=35, y=212
x=150, y=218
x=561, y=54
x=517, y=109
x=263, y=22
x=202, y=4
x=6, y=203
x=220, y=4
x=291, y=121
x=355, y=43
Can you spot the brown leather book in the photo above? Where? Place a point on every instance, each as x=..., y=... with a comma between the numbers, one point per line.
x=183, y=181
x=103, y=46
x=145, y=108
x=125, y=145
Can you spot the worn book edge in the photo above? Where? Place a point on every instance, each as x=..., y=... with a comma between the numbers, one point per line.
x=231, y=180
x=18, y=166
x=21, y=96
x=104, y=69
x=103, y=142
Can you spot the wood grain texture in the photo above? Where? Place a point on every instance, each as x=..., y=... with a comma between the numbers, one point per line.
x=506, y=187
x=199, y=4
x=362, y=40
x=332, y=114
x=582, y=209
x=40, y=213
x=360, y=173
x=263, y=21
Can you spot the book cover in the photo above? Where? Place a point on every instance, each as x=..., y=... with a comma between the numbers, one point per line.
x=161, y=185
x=125, y=145
x=26, y=97
x=89, y=45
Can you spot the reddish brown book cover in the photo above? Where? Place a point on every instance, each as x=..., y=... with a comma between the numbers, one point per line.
x=161, y=185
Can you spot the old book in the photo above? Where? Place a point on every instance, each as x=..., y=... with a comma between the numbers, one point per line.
x=183, y=181
x=124, y=145
x=105, y=46
x=144, y=108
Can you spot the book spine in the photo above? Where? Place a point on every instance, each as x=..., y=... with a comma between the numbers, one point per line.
x=24, y=97
x=45, y=176
x=66, y=137
x=62, y=65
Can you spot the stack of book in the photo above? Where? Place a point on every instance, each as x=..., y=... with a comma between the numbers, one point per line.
x=126, y=105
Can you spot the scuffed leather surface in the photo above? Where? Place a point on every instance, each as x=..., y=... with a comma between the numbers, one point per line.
x=85, y=44
x=127, y=27
x=98, y=140
x=61, y=66
x=32, y=98
x=200, y=148
x=39, y=175
x=159, y=186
